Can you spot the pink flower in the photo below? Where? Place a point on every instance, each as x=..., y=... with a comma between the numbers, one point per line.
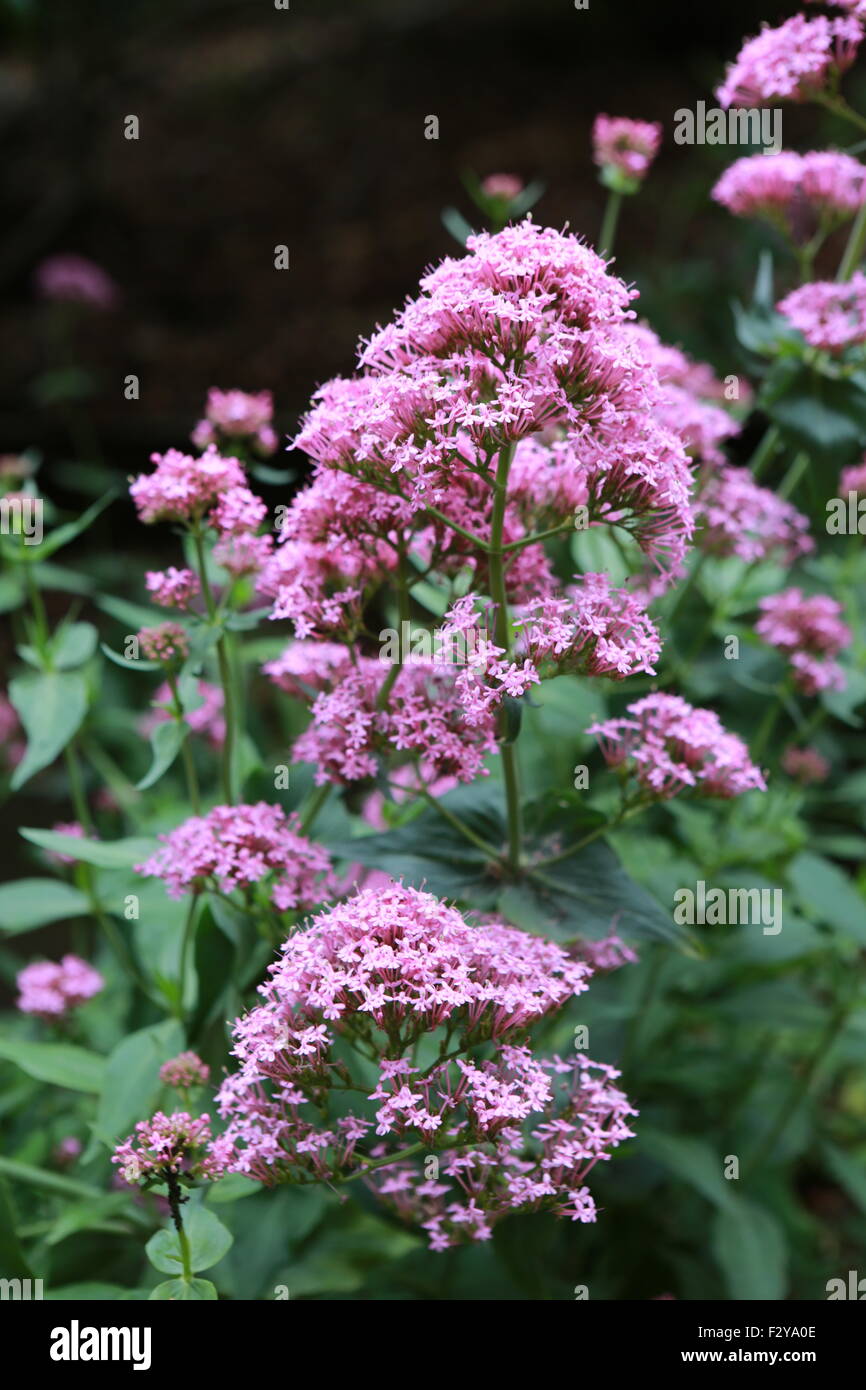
x=591, y=630
x=50, y=989
x=73, y=828
x=183, y=488
x=207, y=719
x=805, y=765
x=504, y=186
x=740, y=518
x=184, y=1071
x=853, y=479
x=167, y=643
x=625, y=145
x=76, y=280
x=799, y=192
x=237, y=846
x=168, y=1144
x=305, y=668
x=810, y=632
x=172, y=588
x=792, y=62
x=830, y=314
x=237, y=416
x=669, y=746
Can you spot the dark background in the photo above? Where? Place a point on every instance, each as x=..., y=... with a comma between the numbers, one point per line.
x=306, y=127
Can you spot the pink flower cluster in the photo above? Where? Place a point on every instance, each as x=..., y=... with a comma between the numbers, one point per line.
x=810, y=632
x=625, y=145
x=233, y=417
x=11, y=743
x=688, y=404
x=397, y=962
x=853, y=479
x=307, y=667
x=830, y=314
x=172, y=588
x=74, y=279
x=425, y=716
x=805, y=765
x=591, y=630
x=73, y=828
x=211, y=489
x=669, y=746
x=738, y=517
x=50, y=988
x=794, y=191
x=206, y=719
x=184, y=1071
x=167, y=643
x=177, y=1144
x=236, y=846
x=539, y=1126
x=792, y=62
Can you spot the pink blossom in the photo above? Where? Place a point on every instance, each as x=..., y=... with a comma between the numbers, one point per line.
x=830, y=314
x=853, y=479
x=810, y=632
x=798, y=192
x=206, y=719
x=791, y=63
x=184, y=1071
x=168, y=1144
x=236, y=846
x=738, y=517
x=76, y=280
x=805, y=765
x=172, y=588
x=626, y=145
x=183, y=488
x=232, y=416
x=505, y=186
x=669, y=746
x=591, y=630
x=50, y=989
x=167, y=643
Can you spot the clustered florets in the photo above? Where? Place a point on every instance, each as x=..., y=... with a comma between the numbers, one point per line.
x=238, y=846
x=383, y=971
x=669, y=747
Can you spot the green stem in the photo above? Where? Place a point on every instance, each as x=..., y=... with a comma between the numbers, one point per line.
x=600, y=830
x=186, y=751
x=228, y=753
x=466, y=831
x=800, y=1090
x=765, y=450
x=609, y=223
x=188, y=932
x=502, y=637
x=314, y=806
x=794, y=474
x=854, y=249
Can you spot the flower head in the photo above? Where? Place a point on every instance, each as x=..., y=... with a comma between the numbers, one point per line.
x=50, y=989
x=792, y=62
x=184, y=1071
x=76, y=280
x=830, y=314
x=669, y=746
x=626, y=146
x=175, y=1144
x=810, y=632
x=236, y=846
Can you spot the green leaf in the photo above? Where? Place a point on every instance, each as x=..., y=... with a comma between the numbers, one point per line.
x=208, y=1241
x=849, y=1173
x=105, y=854
x=232, y=1188
x=184, y=1291
x=690, y=1160
x=33, y=902
x=12, y=1260
x=828, y=895
x=139, y=665
x=60, y=1064
x=51, y=707
x=132, y=1083
x=749, y=1247
x=62, y=535
x=826, y=416
x=166, y=742
x=590, y=893
x=73, y=645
